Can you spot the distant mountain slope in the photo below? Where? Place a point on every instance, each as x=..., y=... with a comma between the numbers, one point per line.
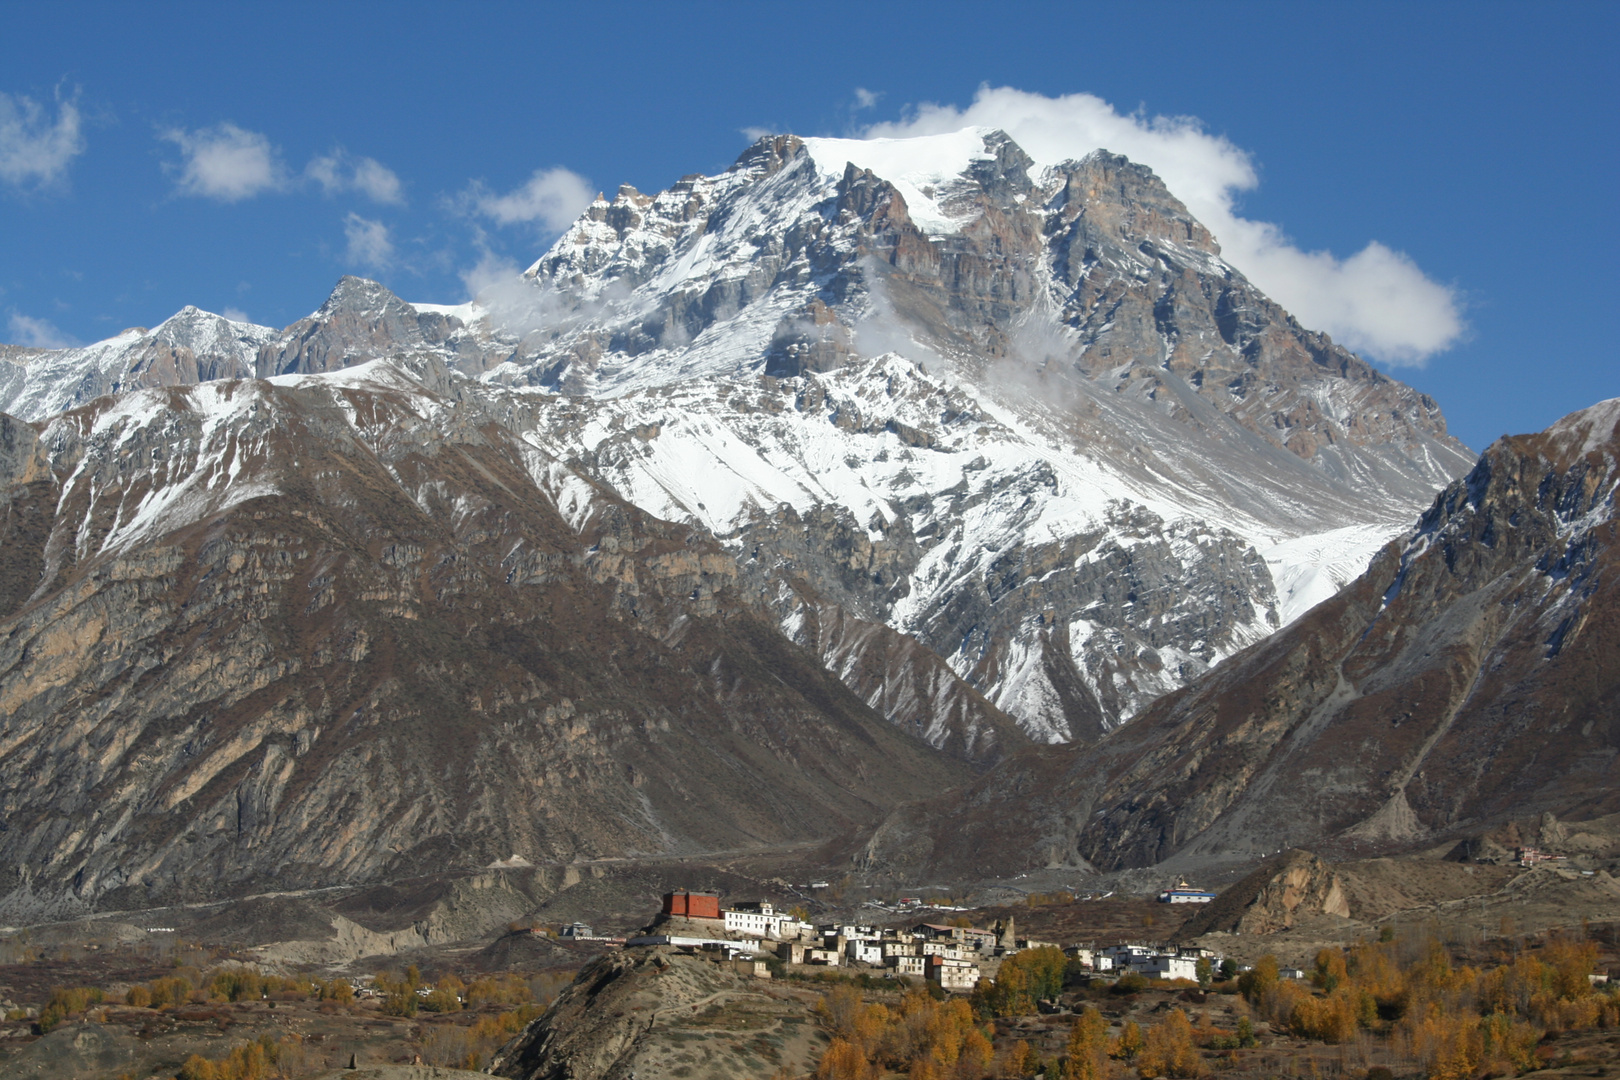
x=326, y=629
x=1467, y=678
x=1021, y=413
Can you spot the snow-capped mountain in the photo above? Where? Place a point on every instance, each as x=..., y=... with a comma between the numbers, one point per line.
x=189, y=347
x=1106, y=461
x=1022, y=413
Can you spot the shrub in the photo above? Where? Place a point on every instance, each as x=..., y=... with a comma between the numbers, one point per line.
x=1129, y=1042
x=498, y=990
x=1020, y=1062
x=923, y=1037
x=1131, y=983
x=267, y=1057
x=1330, y=969
x=235, y=984
x=1332, y=1019
x=68, y=1001
x=446, y=995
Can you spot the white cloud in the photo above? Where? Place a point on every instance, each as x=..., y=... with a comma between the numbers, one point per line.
x=1377, y=301
x=338, y=172
x=236, y=314
x=39, y=334
x=513, y=302
x=865, y=99
x=33, y=149
x=492, y=271
x=226, y=162
x=552, y=199
x=369, y=245
x=754, y=134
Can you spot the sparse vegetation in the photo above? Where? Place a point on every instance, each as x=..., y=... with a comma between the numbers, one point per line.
x=262, y=1059
x=1406, y=1001
x=928, y=1039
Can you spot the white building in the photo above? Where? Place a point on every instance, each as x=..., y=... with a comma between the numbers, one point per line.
x=766, y=923
x=1167, y=967
x=909, y=965
x=1127, y=955
x=867, y=952
x=731, y=948
x=948, y=949
x=1183, y=893
x=952, y=974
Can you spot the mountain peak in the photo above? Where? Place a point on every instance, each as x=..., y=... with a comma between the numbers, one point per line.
x=1594, y=429
x=767, y=156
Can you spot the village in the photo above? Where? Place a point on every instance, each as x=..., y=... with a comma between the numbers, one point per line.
x=953, y=956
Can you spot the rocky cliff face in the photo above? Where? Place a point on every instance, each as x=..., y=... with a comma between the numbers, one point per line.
x=994, y=437
x=362, y=321
x=341, y=628
x=656, y=1012
x=1278, y=894
x=1465, y=679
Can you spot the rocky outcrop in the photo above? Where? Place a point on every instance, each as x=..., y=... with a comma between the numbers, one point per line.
x=191, y=346
x=1086, y=278
x=1082, y=298
x=1280, y=893
x=362, y=321
x=1462, y=680
x=658, y=1012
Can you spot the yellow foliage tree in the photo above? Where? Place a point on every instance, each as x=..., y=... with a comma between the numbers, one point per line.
x=843, y=1061
x=1129, y=1043
x=1168, y=1049
x=1087, y=1057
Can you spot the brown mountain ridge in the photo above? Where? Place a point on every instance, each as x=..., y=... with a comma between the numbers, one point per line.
x=270, y=636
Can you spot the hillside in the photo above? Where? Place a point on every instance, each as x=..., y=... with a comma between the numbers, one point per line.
x=1465, y=682
x=320, y=630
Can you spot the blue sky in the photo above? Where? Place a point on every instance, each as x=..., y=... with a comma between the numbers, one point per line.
x=1479, y=141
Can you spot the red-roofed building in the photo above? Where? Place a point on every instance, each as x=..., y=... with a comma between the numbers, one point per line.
x=692, y=905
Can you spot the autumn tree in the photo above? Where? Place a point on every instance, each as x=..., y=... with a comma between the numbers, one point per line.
x=1087, y=1057
x=1168, y=1049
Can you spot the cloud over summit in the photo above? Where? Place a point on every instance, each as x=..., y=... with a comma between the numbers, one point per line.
x=551, y=199
x=369, y=244
x=1377, y=301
